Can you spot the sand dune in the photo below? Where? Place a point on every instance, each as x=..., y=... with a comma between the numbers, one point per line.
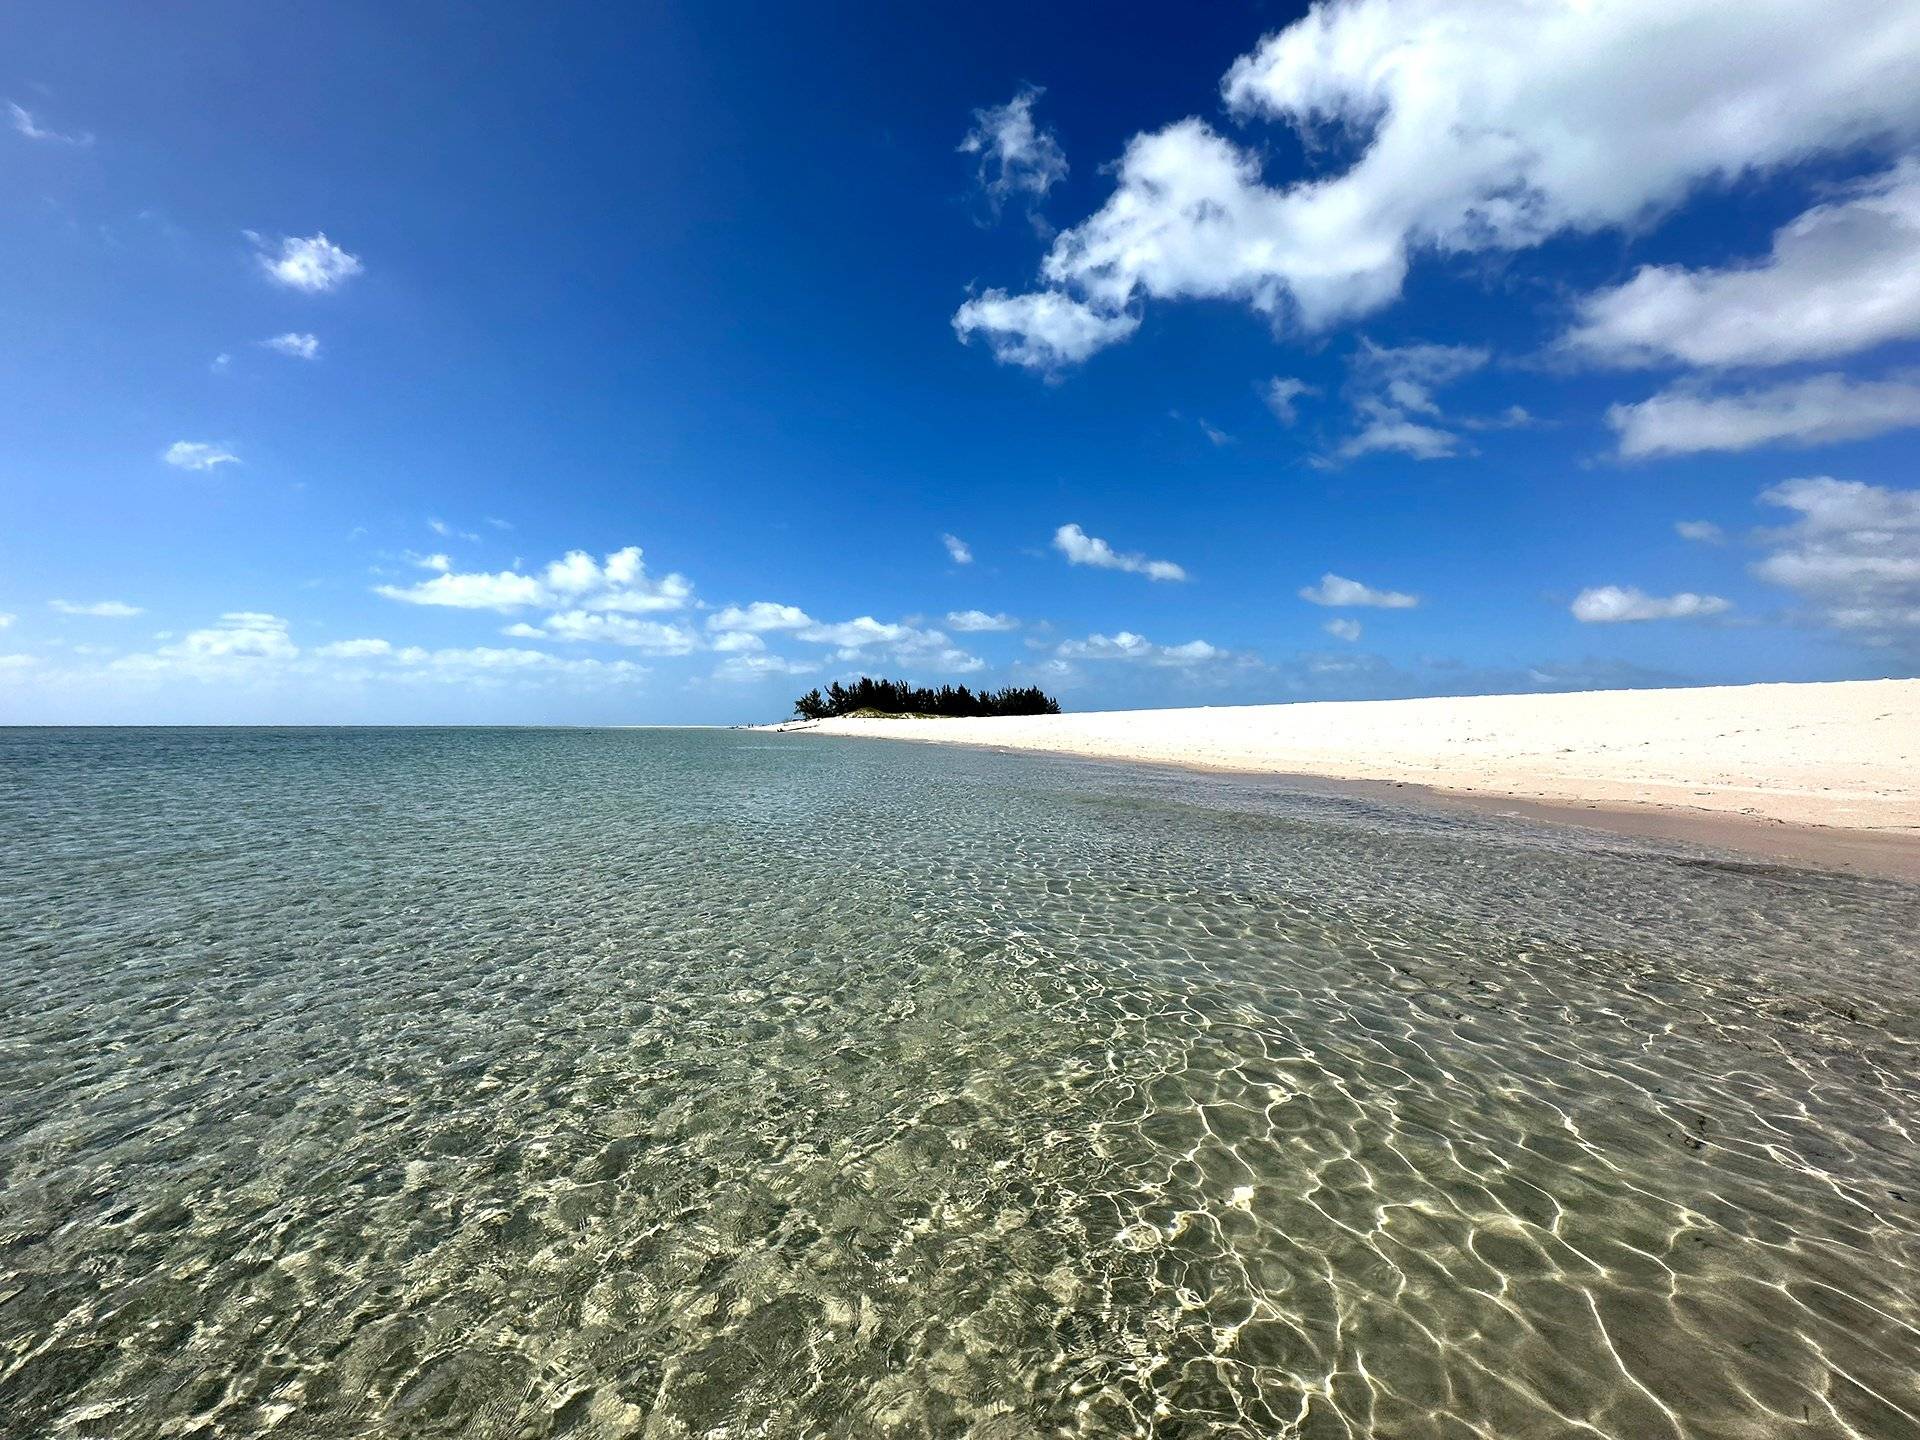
x=1843, y=755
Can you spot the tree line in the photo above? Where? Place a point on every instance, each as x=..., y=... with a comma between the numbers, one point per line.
x=897, y=697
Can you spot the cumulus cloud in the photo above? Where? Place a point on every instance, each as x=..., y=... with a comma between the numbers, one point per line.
x=1340, y=592
x=618, y=582
x=738, y=642
x=1817, y=410
x=298, y=345
x=1843, y=277
x=1475, y=125
x=1283, y=394
x=313, y=264
x=958, y=550
x=864, y=639
x=759, y=617
x=1701, y=532
x=238, y=635
x=1852, y=554
x=1017, y=157
x=98, y=609
x=655, y=637
x=25, y=124
x=1610, y=604
x=1125, y=645
x=1081, y=548
x=1342, y=628
x=1042, y=331
x=198, y=455
x=979, y=621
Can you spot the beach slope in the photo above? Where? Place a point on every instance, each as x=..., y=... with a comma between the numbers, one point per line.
x=1844, y=756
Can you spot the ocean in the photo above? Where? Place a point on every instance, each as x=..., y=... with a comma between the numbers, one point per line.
x=516, y=1083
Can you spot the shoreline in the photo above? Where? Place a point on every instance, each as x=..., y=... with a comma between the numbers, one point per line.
x=1825, y=776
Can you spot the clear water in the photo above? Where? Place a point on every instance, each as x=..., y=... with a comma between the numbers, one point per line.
x=520, y=1083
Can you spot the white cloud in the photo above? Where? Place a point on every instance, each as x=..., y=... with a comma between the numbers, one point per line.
x=99, y=609
x=354, y=649
x=652, y=636
x=979, y=621
x=760, y=616
x=1017, y=157
x=521, y=630
x=576, y=580
x=1477, y=125
x=1042, y=331
x=504, y=590
x=296, y=344
x=1853, y=553
x=1215, y=435
x=7, y=618
x=1125, y=645
x=1337, y=590
x=1342, y=628
x=1818, y=410
x=449, y=532
x=1283, y=394
x=1843, y=277
x=1386, y=431
x=958, y=550
x=858, y=633
x=1701, y=532
x=867, y=640
x=1396, y=384
x=1610, y=604
x=314, y=264
x=197, y=455
x=738, y=642
x=25, y=124
x=1081, y=548
x=238, y=635
x=438, y=562
x=759, y=667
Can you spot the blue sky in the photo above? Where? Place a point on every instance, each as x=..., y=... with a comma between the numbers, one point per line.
x=1406, y=347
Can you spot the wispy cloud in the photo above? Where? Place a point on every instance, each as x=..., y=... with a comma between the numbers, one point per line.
x=98, y=609
x=25, y=124
x=958, y=550
x=1081, y=548
x=1017, y=157
x=298, y=345
x=198, y=455
x=1283, y=394
x=1338, y=591
x=979, y=622
x=1125, y=645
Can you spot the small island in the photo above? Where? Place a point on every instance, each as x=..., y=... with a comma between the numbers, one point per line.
x=873, y=699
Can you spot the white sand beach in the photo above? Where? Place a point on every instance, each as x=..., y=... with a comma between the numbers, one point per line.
x=1844, y=756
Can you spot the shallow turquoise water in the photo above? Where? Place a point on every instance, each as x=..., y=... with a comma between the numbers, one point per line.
x=672, y=1083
